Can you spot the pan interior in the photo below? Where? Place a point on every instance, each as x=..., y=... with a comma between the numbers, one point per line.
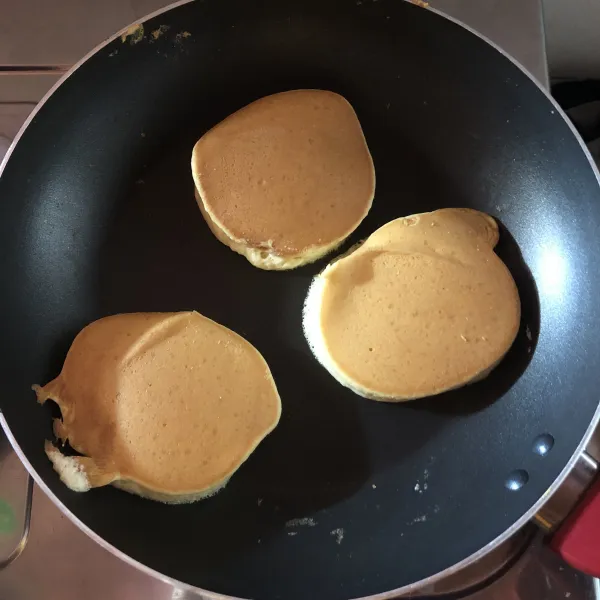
x=347, y=498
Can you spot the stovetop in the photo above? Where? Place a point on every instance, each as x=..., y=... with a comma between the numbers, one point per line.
x=47, y=557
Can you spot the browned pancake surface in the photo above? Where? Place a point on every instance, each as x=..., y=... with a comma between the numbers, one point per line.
x=425, y=305
x=172, y=401
x=288, y=172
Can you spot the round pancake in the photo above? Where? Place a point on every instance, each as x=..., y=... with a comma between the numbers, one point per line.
x=423, y=306
x=165, y=405
x=286, y=179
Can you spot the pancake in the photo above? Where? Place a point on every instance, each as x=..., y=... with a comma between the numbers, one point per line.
x=423, y=306
x=286, y=179
x=164, y=405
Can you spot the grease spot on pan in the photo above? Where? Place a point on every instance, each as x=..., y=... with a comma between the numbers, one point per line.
x=421, y=486
x=303, y=522
x=419, y=519
x=159, y=32
x=134, y=34
x=182, y=35
x=338, y=534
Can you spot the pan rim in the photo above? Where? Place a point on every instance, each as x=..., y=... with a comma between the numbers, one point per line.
x=389, y=595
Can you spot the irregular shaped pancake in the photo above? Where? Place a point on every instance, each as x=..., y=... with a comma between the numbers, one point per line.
x=164, y=405
x=423, y=306
x=286, y=179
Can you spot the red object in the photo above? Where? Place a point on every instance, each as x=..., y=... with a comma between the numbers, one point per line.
x=578, y=538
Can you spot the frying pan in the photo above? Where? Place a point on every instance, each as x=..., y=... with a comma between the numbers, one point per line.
x=347, y=498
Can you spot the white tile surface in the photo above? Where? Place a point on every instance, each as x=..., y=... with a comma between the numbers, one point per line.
x=56, y=32
x=11, y=118
x=59, y=32
x=16, y=87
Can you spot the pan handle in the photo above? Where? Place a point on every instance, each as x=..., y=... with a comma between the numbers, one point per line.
x=572, y=516
x=578, y=538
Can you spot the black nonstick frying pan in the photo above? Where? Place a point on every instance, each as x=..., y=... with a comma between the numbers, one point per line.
x=97, y=216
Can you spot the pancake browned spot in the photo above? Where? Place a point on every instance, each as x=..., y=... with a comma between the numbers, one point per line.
x=164, y=405
x=423, y=306
x=286, y=179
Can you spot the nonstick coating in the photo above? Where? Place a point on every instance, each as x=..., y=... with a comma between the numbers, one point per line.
x=97, y=216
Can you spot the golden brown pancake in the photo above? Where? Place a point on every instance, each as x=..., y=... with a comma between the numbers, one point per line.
x=286, y=179
x=423, y=306
x=164, y=405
